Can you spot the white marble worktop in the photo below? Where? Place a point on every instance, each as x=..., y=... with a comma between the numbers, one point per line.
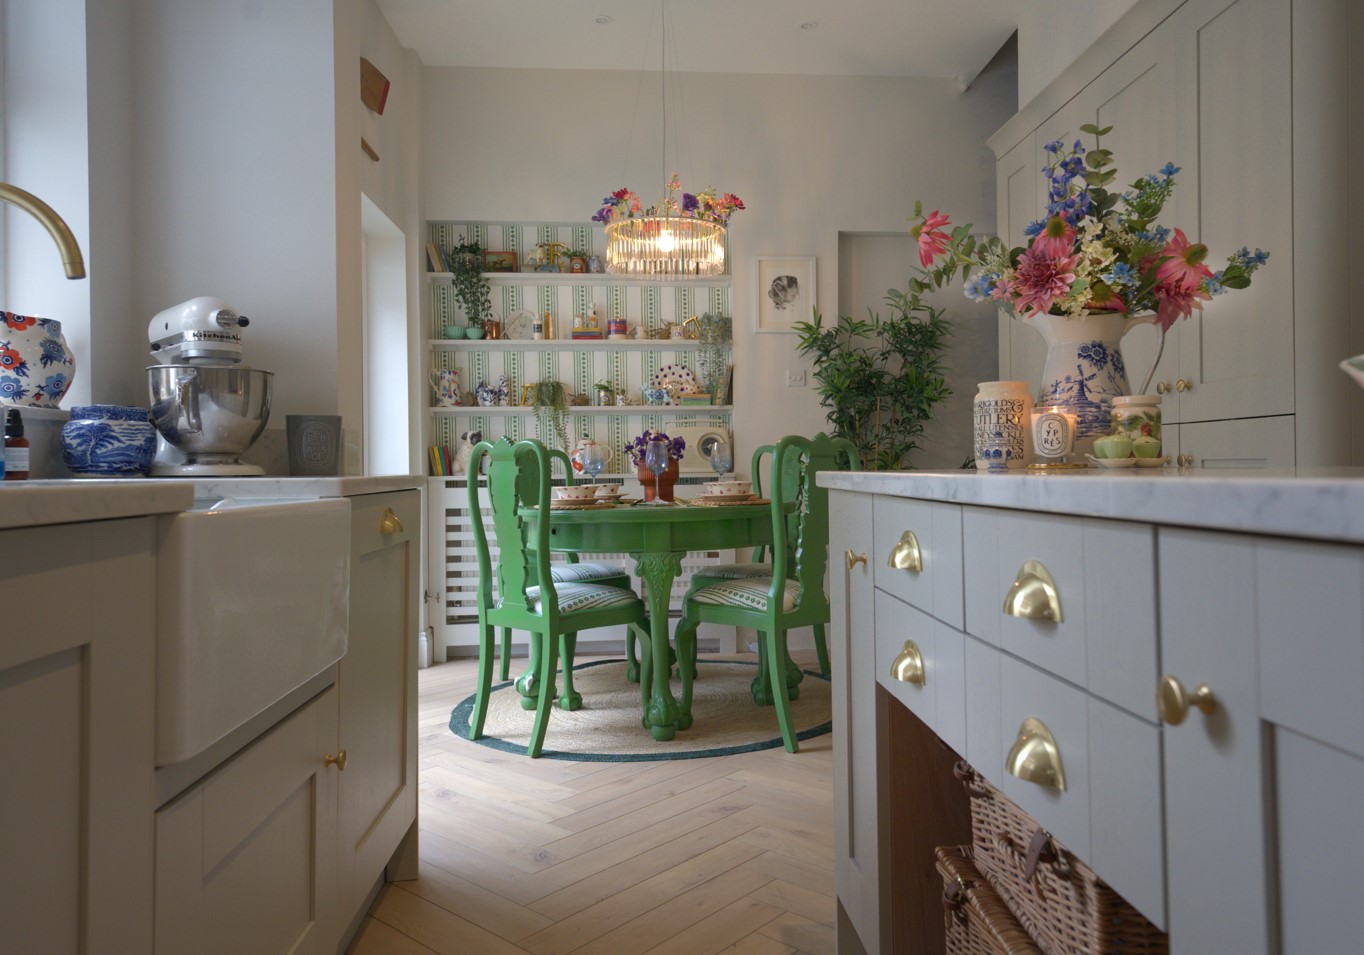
x=67, y=501
x=1318, y=503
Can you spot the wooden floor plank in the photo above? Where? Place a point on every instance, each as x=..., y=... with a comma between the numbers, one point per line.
x=801, y=934
x=442, y=931
x=720, y=930
x=377, y=938
x=815, y=906
x=813, y=877
x=479, y=905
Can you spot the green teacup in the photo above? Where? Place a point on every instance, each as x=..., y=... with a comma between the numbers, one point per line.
x=1113, y=446
x=472, y=332
x=1145, y=446
x=454, y=331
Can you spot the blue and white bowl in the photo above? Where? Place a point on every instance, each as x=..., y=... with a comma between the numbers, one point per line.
x=109, y=441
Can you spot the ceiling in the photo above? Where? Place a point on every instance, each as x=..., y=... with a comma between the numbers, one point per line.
x=941, y=38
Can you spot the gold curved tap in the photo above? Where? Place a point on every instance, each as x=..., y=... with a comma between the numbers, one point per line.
x=72, y=261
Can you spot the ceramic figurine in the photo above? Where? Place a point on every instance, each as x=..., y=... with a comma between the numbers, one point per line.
x=467, y=440
x=503, y=391
x=486, y=394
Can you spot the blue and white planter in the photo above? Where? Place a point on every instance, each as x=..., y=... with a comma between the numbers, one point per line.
x=109, y=441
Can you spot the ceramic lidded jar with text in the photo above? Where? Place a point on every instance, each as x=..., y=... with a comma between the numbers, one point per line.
x=1002, y=415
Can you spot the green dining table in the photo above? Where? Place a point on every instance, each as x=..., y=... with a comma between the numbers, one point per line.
x=657, y=538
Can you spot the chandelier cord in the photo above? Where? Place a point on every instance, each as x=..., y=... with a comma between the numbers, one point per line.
x=639, y=96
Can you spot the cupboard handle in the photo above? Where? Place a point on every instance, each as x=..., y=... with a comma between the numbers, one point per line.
x=389, y=523
x=905, y=554
x=1184, y=460
x=852, y=560
x=909, y=665
x=1035, y=758
x=339, y=760
x=1174, y=701
x=1162, y=387
x=1033, y=595
x=1181, y=385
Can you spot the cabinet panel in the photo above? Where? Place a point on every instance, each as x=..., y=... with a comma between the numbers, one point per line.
x=896, y=625
x=936, y=588
x=1018, y=185
x=1237, y=443
x=852, y=657
x=984, y=734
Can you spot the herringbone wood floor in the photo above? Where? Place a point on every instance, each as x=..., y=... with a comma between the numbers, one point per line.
x=731, y=854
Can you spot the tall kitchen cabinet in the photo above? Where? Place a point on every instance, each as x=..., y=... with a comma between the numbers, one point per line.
x=648, y=303
x=1246, y=97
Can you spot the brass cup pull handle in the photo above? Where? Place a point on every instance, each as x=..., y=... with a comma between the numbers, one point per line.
x=909, y=665
x=852, y=560
x=389, y=523
x=1162, y=387
x=1033, y=595
x=1174, y=701
x=905, y=554
x=1035, y=758
x=1181, y=385
x=339, y=760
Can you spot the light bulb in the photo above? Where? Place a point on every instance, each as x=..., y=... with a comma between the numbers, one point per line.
x=666, y=242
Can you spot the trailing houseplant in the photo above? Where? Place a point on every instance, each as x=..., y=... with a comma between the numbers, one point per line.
x=550, y=399
x=473, y=291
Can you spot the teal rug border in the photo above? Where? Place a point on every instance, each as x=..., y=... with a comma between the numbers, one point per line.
x=459, y=725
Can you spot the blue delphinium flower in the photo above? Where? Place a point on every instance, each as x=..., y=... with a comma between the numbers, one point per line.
x=1121, y=274
x=979, y=288
x=1034, y=229
x=1251, y=260
x=1053, y=147
x=1214, y=284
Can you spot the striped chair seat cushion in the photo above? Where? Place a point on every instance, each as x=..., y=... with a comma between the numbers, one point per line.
x=584, y=597
x=733, y=571
x=577, y=573
x=750, y=593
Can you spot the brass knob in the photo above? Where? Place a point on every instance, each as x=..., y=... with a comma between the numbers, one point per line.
x=1174, y=701
x=1033, y=595
x=1184, y=460
x=339, y=760
x=1034, y=757
x=1162, y=387
x=909, y=665
x=389, y=523
x=905, y=554
x=1182, y=385
x=852, y=560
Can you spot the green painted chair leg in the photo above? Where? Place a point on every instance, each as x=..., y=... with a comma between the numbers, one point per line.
x=545, y=700
x=485, y=682
x=776, y=655
x=822, y=648
x=794, y=674
x=685, y=638
x=506, y=654
x=571, y=699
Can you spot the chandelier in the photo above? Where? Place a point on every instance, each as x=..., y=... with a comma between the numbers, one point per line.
x=675, y=238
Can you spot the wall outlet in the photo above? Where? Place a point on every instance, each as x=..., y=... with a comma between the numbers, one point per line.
x=795, y=377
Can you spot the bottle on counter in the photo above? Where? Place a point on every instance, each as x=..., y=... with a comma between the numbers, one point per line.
x=16, y=447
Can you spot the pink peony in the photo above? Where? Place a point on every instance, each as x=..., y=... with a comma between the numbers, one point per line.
x=1040, y=280
x=1183, y=265
x=1056, y=238
x=1175, y=302
x=932, y=240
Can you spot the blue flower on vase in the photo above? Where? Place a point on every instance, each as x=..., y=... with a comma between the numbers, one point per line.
x=52, y=351
x=1096, y=353
x=55, y=386
x=12, y=388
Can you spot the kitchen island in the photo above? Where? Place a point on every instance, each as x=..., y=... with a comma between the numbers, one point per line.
x=1193, y=642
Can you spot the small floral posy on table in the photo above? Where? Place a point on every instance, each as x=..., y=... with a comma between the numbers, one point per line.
x=636, y=448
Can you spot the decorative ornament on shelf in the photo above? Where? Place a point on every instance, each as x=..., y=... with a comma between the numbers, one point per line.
x=1095, y=266
x=674, y=237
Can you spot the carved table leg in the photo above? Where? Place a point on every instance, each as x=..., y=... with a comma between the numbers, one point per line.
x=658, y=572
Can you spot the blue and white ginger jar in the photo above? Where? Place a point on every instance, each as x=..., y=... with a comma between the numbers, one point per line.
x=109, y=441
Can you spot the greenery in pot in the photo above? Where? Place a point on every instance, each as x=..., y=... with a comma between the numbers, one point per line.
x=473, y=291
x=550, y=399
x=880, y=379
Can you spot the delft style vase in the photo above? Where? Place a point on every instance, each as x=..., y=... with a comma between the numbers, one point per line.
x=109, y=441
x=1084, y=369
x=36, y=365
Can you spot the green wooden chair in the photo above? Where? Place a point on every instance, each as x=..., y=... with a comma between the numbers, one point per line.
x=572, y=571
x=791, y=596
x=552, y=613
x=760, y=567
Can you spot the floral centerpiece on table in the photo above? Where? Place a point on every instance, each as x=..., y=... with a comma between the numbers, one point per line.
x=1094, y=251
x=706, y=204
x=636, y=447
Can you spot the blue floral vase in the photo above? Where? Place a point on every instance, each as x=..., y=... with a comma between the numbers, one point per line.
x=109, y=441
x=36, y=366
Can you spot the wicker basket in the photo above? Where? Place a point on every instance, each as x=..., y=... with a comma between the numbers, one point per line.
x=1058, y=899
x=978, y=921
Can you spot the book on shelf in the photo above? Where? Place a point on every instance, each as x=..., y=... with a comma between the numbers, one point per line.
x=440, y=460
x=435, y=261
x=587, y=334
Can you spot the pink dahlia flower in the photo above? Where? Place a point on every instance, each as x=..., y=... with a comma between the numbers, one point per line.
x=1174, y=302
x=1041, y=280
x=1183, y=265
x=932, y=240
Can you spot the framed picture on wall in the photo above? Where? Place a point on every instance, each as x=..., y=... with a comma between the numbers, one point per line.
x=499, y=261
x=786, y=292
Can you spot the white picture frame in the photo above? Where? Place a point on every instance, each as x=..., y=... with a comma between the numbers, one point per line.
x=785, y=292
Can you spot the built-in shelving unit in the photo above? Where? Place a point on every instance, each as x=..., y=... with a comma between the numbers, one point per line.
x=588, y=278
x=667, y=411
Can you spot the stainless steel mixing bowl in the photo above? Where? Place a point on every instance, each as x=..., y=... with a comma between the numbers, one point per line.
x=211, y=413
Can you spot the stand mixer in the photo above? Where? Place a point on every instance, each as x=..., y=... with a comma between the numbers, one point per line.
x=207, y=406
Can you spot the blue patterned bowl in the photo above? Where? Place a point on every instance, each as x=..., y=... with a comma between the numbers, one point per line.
x=108, y=441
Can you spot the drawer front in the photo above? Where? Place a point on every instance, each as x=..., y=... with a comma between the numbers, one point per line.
x=381, y=520
x=940, y=700
x=931, y=532
x=1102, y=577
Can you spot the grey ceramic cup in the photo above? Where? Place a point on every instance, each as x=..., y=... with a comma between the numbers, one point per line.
x=314, y=444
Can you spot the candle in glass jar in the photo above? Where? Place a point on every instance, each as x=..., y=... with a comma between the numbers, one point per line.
x=1053, y=433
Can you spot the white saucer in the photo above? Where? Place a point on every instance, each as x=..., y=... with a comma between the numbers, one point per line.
x=727, y=497
x=1152, y=462
x=1111, y=462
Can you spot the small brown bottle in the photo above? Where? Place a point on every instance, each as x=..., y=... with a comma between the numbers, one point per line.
x=16, y=447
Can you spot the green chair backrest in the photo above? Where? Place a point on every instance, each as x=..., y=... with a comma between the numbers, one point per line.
x=800, y=540
x=517, y=477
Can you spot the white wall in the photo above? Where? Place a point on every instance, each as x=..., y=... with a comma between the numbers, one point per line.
x=812, y=157
x=1052, y=33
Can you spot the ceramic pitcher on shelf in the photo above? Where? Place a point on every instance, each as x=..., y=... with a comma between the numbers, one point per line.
x=445, y=381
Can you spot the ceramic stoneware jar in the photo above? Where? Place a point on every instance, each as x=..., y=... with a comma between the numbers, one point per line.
x=1138, y=416
x=35, y=364
x=108, y=441
x=1003, y=417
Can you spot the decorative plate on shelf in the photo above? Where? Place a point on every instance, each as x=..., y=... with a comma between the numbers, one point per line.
x=519, y=325
x=676, y=380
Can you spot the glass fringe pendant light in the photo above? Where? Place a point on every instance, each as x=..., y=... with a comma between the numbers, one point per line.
x=665, y=244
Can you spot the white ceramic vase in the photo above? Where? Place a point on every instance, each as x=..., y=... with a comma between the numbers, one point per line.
x=36, y=366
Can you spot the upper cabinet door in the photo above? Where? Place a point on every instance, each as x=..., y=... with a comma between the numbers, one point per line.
x=1233, y=101
x=1019, y=200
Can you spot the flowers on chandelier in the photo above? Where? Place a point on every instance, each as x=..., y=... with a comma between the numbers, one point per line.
x=1094, y=250
x=706, y=204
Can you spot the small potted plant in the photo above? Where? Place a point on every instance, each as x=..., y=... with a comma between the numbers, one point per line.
x=662, y=488
x=473, y=291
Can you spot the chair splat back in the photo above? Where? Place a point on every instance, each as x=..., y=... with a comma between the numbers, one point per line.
x=801, y=539
x=517, y=477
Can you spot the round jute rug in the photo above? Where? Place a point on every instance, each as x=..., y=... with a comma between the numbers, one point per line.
x=725, y=719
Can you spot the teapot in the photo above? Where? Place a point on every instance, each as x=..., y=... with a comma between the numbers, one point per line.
x=445, y=381
x=585, y=445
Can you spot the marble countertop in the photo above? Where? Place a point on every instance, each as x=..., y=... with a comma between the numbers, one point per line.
x=34, y=503
x=1318, y=503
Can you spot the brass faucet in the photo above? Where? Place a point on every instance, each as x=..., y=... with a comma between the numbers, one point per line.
x=58, y=229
